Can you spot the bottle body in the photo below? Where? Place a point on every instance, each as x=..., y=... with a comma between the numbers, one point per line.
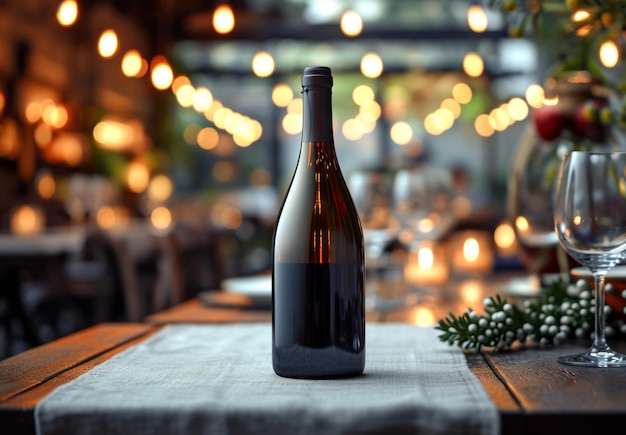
x=318, y=311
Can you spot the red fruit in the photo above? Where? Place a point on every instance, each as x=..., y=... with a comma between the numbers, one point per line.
x=587, y=122
x=549, y=121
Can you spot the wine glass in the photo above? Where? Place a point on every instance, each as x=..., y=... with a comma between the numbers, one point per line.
x=530, y=205
x=422, y=198
x=590, y=221
x=371, y=193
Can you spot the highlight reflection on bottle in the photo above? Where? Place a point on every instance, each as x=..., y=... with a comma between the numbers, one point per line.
x=318, y=314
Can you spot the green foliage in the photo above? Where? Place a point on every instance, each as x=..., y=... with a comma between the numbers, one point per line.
x=573, y=45
x=562, y=311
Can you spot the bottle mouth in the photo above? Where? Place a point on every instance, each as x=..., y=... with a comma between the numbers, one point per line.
x=317, y=76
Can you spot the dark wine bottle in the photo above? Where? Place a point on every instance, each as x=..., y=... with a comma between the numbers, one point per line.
x=318, y=306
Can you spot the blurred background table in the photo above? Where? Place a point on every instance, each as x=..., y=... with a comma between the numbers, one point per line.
x=23, y=257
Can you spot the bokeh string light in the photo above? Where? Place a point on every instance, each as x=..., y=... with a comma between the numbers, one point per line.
x=246, y=131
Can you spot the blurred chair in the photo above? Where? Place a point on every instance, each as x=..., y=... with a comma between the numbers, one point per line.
x=94, y=276
x=194, y=248
x=52, y=294
x=137, y=254
x=162, y=268
x=82, y=291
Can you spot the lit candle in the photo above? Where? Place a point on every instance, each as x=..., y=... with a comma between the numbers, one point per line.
x=426, y=266
x=27, y=220
x=423, y=315
x=161, y=218
x=472, y=253
x=505, y=240
x=111, y=217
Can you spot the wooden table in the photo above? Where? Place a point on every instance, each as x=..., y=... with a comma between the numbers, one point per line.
x=534, y=394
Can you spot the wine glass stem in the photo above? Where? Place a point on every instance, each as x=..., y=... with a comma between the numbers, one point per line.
x=599, y=339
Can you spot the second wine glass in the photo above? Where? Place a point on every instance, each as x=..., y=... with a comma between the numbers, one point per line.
x=590, y=222
x=371, y=192
x=422, y=198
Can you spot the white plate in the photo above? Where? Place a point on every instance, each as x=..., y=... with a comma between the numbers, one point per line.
x=258, y=288
x=256, y=285
x=251, y=292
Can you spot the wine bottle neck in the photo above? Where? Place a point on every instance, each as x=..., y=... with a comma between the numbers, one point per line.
x=317, y=120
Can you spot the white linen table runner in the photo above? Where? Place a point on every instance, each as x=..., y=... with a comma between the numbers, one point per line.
x=218, y=379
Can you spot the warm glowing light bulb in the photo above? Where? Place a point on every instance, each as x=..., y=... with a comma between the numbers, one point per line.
x=107, y=44
x=33, y=112
x=609, y=53
x=401, y=133
x=477, y=19
x=432, y=126
x=162, y=75
x=105, y=216
x=473, y=64
x=54, y=116
x=292, y=123
x=223, y=19
x=160, y=188
x=178, y=82
x=362, y=94
x=351, y=24
x=42, y=135
x=295, y=106
x=185, y=94
x=370, y=111
x=371, y=65
x=500, y=118
x=131, y=63
x=207, y=138
x=581, y=16
x=282, y=95
x=202, y=99
x=161, y=218
x=262, y=64
x=462, y=93
x=231, y=217
x=46, y=186
x=483, y=126
x=452, y=106
x=351, y=129
x=518, y=109
x=535, y=95
x=137, y=176
x=67, y=13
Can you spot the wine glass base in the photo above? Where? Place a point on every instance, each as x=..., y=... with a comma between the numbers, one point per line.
x=595, y=358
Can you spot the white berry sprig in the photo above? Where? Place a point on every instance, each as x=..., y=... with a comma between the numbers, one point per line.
x=562, y=311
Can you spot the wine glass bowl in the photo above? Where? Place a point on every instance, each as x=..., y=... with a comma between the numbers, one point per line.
x=422, y=198
x=371, y=193
x=590, y=222
x=531, y=206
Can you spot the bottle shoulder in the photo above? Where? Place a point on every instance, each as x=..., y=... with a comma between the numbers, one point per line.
x=319, y=195
x=318, y=222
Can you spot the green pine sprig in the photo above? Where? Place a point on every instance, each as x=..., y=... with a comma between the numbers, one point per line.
x=562, y=311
